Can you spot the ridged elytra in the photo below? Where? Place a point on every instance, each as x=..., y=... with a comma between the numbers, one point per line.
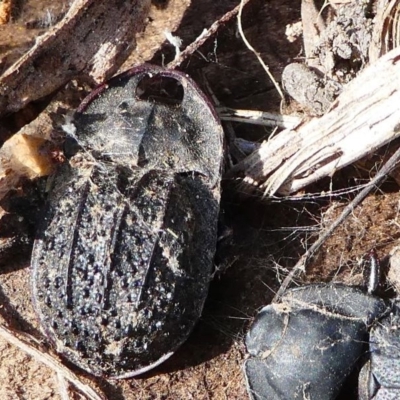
x=122, y=260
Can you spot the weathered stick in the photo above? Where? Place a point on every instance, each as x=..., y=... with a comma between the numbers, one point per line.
x=92, y=40
x=361, y=120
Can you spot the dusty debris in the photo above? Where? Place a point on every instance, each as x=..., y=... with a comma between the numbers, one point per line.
x=294, y=31
x=336, y=42
x=337, y=36
x=24, y=342
x=344, y=44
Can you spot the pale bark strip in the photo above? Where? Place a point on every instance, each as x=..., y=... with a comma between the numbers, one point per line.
x=258, y=117
x=362, y=119
x=91, y=41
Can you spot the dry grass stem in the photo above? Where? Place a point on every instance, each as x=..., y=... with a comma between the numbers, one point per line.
x=251, y=48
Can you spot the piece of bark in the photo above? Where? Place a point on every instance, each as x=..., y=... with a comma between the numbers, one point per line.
x=91, y=42
x=361, y=120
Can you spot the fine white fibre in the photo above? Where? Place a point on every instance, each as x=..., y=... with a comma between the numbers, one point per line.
x=176, y=41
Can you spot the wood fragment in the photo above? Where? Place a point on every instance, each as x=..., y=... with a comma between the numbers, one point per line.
x=91, y=42
x=361, y=120
x=258, y=117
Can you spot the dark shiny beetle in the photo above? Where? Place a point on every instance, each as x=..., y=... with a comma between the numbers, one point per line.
x=380, y=377
x=306, y=346
x=122, y=262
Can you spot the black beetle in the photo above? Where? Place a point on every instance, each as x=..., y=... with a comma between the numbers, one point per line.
x=380, y=376
x=305, y=346
x=122, y=261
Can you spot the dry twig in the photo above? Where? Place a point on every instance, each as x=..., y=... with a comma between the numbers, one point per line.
x=22, y=342
x=207, y=34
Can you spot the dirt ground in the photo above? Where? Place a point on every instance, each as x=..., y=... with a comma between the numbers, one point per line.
x=266, y=237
